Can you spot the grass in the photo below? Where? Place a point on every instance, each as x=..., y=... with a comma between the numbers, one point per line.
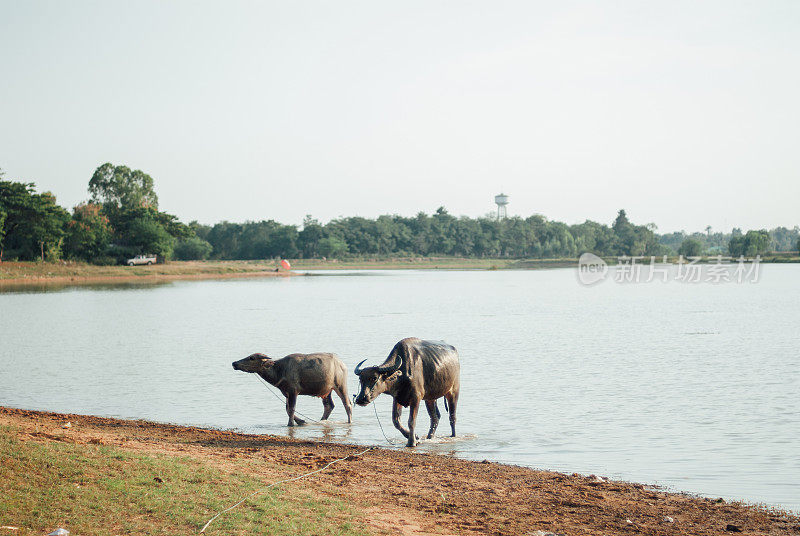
x=104, y=490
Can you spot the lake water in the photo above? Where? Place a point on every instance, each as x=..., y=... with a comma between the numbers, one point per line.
x=690, y=386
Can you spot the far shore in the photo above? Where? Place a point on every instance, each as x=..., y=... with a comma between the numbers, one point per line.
x=77, y=273
x=76, y=485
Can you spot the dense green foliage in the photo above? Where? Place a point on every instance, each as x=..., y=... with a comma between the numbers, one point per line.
x=88, y=232
x=119, y=186
x=443, y=234
x=123, y=220
x=33, y=225
x=437, y=234
x=690, y=248
x=192, y=249
x=753, y=243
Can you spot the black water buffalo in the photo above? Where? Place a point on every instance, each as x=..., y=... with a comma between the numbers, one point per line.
x=302, y=374
x=415, y=370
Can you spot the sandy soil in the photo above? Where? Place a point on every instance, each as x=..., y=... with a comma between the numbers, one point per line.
x=403, y=492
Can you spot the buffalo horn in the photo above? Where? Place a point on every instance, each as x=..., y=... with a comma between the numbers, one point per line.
x=398, y=362
x=358, y=368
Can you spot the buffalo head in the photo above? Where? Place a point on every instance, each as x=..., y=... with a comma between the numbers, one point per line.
x=253, y=363
x=375, y=380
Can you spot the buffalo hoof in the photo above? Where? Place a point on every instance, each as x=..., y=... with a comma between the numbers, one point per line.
x=299, y=421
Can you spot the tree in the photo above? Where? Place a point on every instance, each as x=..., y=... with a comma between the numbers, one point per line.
x=143, y=229
x=224, y=238
x=751, y=244
x=121, y=187
x=783, y=239
x=442, y=226
x=199, y=229
x=308, y=239
x=632, y=239
x=192, y=249
x=16, y=203
x=332, y=247
x=148, y=236
x=691, y=248
x=3, y=216
x=47, y=225
x=88, y=233
x=33, y=224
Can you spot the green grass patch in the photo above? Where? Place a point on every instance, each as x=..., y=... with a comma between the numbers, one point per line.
x=102, y=490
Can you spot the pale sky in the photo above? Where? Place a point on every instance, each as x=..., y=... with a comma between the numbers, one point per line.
x=685, y=113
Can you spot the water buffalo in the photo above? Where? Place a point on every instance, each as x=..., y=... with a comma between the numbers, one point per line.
x=415, y=370
x=302, y=374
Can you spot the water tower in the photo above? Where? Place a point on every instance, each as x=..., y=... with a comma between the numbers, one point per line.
x=502, y=201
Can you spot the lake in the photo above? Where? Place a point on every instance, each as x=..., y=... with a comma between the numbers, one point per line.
x=690, y=386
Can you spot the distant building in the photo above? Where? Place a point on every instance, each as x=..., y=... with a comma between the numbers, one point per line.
x=501, y=201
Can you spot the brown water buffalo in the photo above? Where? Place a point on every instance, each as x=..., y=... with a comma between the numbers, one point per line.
x=415, y=370
x=302, y=374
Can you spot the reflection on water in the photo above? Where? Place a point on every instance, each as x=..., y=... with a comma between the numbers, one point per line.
x=689, y=386
x=329, y=431
x=43, y=287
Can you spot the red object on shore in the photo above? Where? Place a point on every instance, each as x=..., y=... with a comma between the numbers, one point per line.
x=286, y=264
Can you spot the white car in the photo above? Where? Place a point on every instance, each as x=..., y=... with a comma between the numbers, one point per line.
x=142, y=259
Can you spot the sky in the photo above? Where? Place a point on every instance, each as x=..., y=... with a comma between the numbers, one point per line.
x=684, y=113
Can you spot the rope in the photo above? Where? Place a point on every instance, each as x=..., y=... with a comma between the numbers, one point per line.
x=256, y=492
x=284, y=402
x=381, y=425
x=393, y=443
x=293, y=479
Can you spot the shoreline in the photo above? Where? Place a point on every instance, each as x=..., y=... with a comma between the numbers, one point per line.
x=144, y=279
x=23, y=274
x=33, y=274
x=401, y=491
x=27, y=274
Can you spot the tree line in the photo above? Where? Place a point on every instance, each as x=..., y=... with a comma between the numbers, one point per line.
x=121, y=219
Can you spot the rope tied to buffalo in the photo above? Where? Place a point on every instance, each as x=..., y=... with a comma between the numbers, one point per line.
x=279, y=398
x=389, y=441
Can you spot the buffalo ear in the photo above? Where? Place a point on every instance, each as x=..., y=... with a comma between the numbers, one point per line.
x=389, y=374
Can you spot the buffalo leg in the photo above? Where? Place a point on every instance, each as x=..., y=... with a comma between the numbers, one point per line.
x=291, y=401
x=397, y=411
x=452, y=402
x=433, y=412
x=413, y=408
x=348, y=404
x=327, y=403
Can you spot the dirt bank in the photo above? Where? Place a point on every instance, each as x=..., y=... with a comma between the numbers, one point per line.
x=31, y=274
x=401, y=492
